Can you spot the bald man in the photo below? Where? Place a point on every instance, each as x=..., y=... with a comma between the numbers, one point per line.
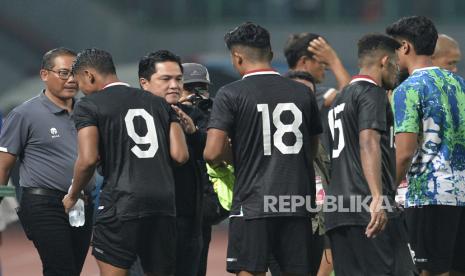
x=447, y=53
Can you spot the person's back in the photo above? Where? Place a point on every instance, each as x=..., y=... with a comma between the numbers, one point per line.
x=269, y=140
x=439, y=96
x=352, y=112
x=134, y=132
x=273, y=123
x=134, y=137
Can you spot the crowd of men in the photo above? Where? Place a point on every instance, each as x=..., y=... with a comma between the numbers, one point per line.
x=159, y=148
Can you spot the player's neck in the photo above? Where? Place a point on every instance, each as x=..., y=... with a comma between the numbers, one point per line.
x=109, y=80
x=420, y=62
x=257, y=67
x=373, y=73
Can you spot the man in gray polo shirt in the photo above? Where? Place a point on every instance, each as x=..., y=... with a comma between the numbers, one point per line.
x=42, y=135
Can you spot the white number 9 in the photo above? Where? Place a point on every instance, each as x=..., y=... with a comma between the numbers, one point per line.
x=149, y=138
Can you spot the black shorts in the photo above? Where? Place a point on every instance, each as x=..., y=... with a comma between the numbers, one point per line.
x=437, y=236
x=119, y=243
x=254, y=242
x=387, y=254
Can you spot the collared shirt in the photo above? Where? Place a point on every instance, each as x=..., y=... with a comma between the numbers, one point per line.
x=43, y=137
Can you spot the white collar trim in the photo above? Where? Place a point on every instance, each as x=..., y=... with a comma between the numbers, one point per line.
x=363, y=79
x=116, y=83
x=261, y=73
x=424, y=68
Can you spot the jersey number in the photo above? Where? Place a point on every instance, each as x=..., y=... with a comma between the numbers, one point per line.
x=281, y=128
x=334, y=124
x=150, y=137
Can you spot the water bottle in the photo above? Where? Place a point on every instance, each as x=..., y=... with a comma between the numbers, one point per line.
x=76, y=214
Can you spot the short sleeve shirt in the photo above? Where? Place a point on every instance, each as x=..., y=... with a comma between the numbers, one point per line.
x=43, y=137
x=431, y=102
x=270, y=120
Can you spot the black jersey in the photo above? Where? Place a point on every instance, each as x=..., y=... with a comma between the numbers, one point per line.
x=361, y=105
x=134, y=128
x=270, y=120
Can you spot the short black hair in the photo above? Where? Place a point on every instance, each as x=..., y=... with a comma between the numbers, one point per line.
x=418, y=30
x=97, y=59
x=250, y=35
x=371, y=43
x=147, y=64
x=296, y=47
x=300, y=75
x=48, y=59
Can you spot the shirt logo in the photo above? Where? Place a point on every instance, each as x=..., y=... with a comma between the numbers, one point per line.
x=54, y=132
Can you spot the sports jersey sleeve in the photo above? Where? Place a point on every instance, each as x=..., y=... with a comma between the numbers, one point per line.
x=371, y=107
x=406, y=109
x=14, y=133
x=222, y=115
x=85, y=114
x=172, y=116
x=315, y=127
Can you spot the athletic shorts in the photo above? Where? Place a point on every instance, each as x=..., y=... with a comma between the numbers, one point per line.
x=254, y=242
x=387, y=254
x=437, y=237
x=119, y=243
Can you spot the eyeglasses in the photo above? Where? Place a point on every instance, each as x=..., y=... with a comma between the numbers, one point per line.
x=62, y=74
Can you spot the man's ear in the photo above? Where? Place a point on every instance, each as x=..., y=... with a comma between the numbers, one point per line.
x=302, y=60
x=143, y=83
x=406, y=47
x=238, y=58
x=384, y=61
x=89, y=76
x=43, y=74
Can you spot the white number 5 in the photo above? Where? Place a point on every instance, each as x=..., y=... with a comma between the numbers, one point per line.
x=149, y=138
x=337, y=124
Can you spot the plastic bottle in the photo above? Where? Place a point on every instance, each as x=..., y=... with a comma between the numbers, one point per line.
x=76, y=214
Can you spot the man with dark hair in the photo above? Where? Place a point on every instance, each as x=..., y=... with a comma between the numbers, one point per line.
x=363, y=158
x=161, y=74
x=311, y=53
x=40, y=134
x=134, y=136
x=447, y=53
x=430, y=143
x=273, y=157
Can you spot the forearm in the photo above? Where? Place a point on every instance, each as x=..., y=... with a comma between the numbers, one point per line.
x=340, y=72
x=406, y=145
x=402, y=166
x=7, y=162
x=370, y=154
x=4, y=176
x=83, y=172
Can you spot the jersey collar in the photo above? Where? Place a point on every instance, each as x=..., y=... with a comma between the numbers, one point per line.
x=258, y=72
x=115, y=83
x=424, y=68
x=366, y=78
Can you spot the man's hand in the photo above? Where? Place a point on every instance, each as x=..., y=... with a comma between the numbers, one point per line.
x=322, y=51
x=378, y=218
x=69, y=201
x=186, y=122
